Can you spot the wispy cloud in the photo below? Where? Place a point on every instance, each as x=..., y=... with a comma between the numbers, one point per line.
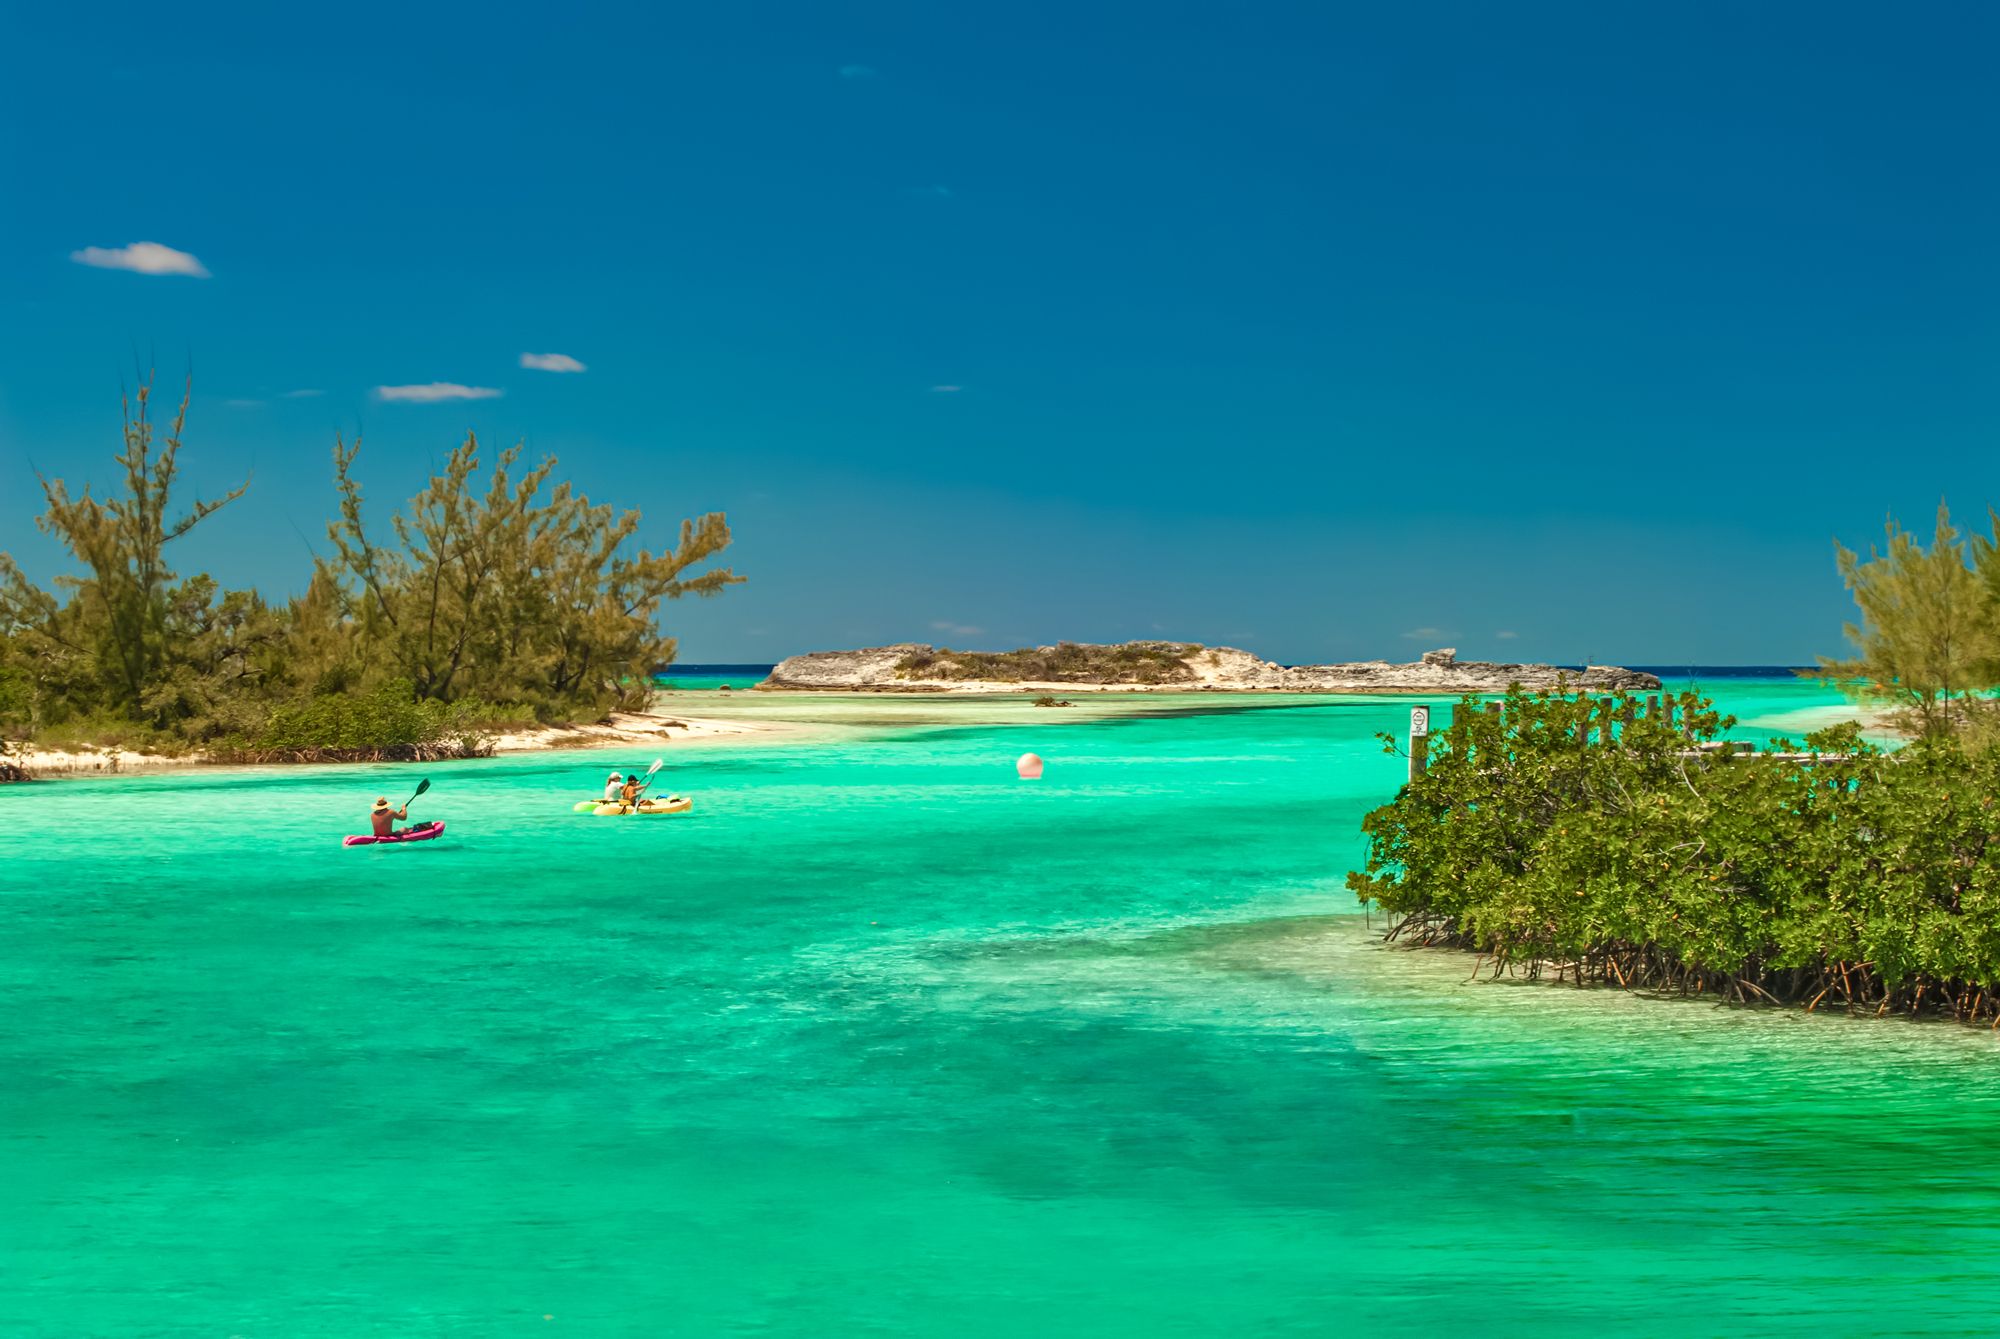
x=242, y=404
x=435, y=391
x=302, y=394
x=550, y=362
x=946, y=390
x=951, y=629
x=858, y=72
x=141, y=258
x=1418, y=634
x=1506, y=636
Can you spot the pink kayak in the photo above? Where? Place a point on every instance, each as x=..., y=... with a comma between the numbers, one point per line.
x=422, y=832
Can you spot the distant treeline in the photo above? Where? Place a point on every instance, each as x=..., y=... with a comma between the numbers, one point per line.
x=1858, y=879
x=495, y=595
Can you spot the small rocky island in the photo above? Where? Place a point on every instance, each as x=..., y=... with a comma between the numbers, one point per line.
x=912, y=667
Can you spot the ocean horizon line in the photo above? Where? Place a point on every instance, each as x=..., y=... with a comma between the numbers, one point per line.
x=710, y=669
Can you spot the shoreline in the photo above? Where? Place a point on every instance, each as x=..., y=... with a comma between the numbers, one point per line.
x=789, y=714
x=621, y=730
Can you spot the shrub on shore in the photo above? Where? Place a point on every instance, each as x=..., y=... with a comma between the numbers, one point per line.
x=384, y=724
x=1858, y=879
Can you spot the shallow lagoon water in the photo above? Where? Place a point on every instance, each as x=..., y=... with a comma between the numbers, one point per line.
x=880, y=1040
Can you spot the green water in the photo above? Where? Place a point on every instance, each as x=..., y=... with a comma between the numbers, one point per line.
x=881, y=1041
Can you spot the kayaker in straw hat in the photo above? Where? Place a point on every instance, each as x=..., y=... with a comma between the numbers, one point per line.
x=614, y=788
x=384, y=818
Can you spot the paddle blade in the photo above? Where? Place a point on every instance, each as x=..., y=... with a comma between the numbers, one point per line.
x=422, y=786
x=658, y=763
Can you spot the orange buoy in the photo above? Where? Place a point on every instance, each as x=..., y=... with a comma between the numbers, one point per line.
x=1030, y=767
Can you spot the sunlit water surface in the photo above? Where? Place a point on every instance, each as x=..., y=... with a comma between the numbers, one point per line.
x=881, y=1040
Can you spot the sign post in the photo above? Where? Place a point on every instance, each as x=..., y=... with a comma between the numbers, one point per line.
x=1420, y=740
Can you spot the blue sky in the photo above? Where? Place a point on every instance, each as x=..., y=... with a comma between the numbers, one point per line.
x=1324, y=330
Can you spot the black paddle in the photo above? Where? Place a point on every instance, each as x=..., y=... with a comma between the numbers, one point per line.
x=422, y=786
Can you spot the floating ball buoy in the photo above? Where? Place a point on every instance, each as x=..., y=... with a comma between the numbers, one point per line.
x=1030, y=767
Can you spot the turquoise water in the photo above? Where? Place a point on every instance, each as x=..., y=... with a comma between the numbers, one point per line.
x=880, y=1040
x=710, y=677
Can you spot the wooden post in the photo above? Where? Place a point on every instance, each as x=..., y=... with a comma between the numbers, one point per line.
x=1653, y=707
x=1606, y=735
x=1492, y=708
x=1420, y=740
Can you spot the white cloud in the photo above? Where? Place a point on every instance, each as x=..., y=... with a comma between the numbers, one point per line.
x=141, y=258
x=1506, y=636
x=1418, y=634
x=242, y=404
x=946, y=390
x=302, y=395
x=435, y=391
x=951, y=629
x=857, y=72
x=550, y=362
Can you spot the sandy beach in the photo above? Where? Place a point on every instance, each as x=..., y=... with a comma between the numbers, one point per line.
x=622, y=729
x=719, y=719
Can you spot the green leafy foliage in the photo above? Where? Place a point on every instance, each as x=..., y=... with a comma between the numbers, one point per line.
x=1849, y=874
x=133, y=641
x=508, y=596
x=1929, y=637
x=385, y=723
x=1066, y=662
x=523, y=592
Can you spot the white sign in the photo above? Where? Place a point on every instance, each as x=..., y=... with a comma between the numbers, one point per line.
x=1420, y=720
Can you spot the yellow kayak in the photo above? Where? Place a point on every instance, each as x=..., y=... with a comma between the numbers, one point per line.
x=672, y=804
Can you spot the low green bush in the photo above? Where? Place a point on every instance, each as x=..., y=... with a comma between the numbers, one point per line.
x=1857, y=877
x=385, y=723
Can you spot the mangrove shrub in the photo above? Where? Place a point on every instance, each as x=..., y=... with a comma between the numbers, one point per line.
x=1843, y=875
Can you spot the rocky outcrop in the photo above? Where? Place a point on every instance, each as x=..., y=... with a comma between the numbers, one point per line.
x=845, y=671
x=913, y=667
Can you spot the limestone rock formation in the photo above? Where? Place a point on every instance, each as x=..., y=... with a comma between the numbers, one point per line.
x=915, y=667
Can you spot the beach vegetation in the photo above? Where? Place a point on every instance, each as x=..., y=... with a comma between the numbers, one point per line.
x=384, y=723
x=1065, y=662
x=1841, y=876
x=1928, y=639
x=516, y=589
x=494, y=596
x=126, y=637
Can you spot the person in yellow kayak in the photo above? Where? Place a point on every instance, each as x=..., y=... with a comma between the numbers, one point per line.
x=629, y=796
x=614, y=789
x=384, y=818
